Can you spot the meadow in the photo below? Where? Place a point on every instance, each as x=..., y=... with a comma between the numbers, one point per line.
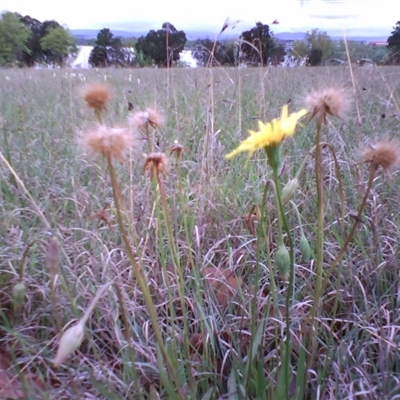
x=190, y=301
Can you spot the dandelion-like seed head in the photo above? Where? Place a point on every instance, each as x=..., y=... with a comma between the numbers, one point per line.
x=97, y=96
x=384, y=153
x=110, y=142
x=176, y=148
x=156, y=164
x=143, y=119
x=332, y=101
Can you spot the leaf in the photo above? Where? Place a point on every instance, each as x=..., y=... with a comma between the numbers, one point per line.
x=223, y=283
x=208, y=394
x=10, y=387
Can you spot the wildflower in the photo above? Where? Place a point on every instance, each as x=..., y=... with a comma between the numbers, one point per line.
x=156, y=164
x=110, y=142
x=69, y=342
x=332, y=101
x=271, y=133
x=384, y=153
x=143, y=119
x=97, y=96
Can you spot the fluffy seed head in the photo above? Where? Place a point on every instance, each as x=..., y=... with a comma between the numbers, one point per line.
x=384, y=153
x=156, y=164
x=176, y=148
x=110, y=142
x=97, y=96
x=143, y=119
x=332, y=101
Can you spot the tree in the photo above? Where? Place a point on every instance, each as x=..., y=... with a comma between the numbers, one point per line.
x=60, y=43
x=314, y=57
x=162, y=46
x=13, y=38
x=317, y=40
x=34, y=53
x=277, y=54
x=317, y=47
x=214, y=53
x=300, y=48
x=256, y=45
x=393, y=45
x=109, y=51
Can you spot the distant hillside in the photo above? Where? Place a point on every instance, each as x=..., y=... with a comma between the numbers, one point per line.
x=92, y=33
x=192, y=35
x=301, y=36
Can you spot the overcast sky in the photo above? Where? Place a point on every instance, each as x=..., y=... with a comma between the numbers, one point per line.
x=358, y=17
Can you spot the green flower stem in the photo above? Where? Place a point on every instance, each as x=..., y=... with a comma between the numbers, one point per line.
x=291, y=279
x=320, y=223
x=178, y=271
x=144, y=287
x=319, y=246
x=298, y=216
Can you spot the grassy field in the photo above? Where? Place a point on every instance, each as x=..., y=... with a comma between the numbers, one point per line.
x=197, y=308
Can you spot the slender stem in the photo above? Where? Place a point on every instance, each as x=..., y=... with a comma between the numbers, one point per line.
x=291, y=278
x=138, y=274
x=178, y=271
x=320, y=245
x=253, y=327
x=320, y=223
x=339, y=257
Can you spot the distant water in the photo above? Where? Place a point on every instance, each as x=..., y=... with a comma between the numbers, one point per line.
x=82, y=60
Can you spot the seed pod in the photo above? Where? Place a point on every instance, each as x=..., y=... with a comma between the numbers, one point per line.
x=69, y=342
x=282, y=261
x=305, y=249
x=289, y=190
x=19, y=291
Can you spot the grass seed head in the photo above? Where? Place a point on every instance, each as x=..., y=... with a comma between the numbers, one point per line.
x=110, y=142
x=331, y=100
x=143, y=119
x=156, y=164
x=97, y=96
x=384, y=153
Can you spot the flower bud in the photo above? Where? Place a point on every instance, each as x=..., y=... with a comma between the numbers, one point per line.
x=305, y=249
x=19, y=291
x=282, y=261
x=289, y=190
x=69, y=342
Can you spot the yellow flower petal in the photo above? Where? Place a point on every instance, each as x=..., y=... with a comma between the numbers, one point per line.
x=270, y=133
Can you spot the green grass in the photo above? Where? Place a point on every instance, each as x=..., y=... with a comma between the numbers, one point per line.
x=42, y=116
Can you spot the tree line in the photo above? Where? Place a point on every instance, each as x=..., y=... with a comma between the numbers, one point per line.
x=26, y=41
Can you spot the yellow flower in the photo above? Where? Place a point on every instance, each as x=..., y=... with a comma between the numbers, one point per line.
x=271, y=133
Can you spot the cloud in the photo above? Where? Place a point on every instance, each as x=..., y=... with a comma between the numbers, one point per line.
x=329, y=16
